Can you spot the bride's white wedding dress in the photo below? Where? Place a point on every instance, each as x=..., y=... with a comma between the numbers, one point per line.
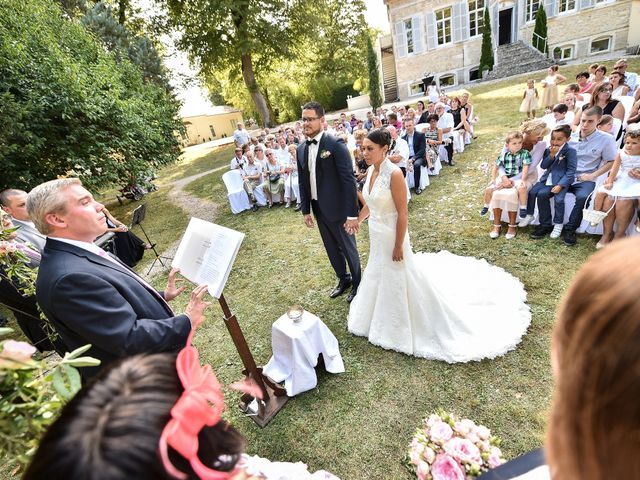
x=433, y=305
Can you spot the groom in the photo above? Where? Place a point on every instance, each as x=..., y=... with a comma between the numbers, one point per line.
x=328, y=187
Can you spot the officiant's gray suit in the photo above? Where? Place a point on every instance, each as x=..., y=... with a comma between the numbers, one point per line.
x=29, y=234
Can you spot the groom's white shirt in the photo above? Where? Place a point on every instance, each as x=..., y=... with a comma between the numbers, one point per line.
x=311, y=159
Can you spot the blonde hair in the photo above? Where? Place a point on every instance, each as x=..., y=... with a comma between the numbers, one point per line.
x=514, y=135
x=47, y=198
x=595, y=416
x=359, y=135
x=537, y=127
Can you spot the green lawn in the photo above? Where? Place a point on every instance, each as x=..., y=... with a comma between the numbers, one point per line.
x=359, y=423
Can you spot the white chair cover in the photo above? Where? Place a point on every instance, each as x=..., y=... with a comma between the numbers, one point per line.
x=627, y=103
x=424, y=178
x=238, y=198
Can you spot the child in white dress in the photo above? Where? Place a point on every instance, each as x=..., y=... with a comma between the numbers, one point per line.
x=619, y=185
x=529, y=103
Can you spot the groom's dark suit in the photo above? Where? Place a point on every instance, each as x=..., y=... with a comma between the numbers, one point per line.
x=90, y=299
x=336, y=199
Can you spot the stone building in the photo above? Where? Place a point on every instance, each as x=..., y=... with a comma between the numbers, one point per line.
x=443, y=37
x=211, y=125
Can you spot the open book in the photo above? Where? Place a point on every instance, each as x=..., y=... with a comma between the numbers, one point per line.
x=206, y=254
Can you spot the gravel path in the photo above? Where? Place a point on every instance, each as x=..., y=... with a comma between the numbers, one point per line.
x=194, y=206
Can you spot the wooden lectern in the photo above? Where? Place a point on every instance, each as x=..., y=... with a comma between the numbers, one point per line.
x=274, y=396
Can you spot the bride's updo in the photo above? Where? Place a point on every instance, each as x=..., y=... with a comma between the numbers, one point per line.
x=380, y=136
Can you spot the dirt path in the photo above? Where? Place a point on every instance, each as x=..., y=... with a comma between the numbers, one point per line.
x=194, y=206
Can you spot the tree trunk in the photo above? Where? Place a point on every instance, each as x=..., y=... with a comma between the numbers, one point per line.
x=262, y=105
x=122, y=11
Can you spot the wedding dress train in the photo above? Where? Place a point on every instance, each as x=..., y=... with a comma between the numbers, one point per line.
x=433, y=305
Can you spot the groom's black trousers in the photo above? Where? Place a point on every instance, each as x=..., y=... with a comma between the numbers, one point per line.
x=340, y=246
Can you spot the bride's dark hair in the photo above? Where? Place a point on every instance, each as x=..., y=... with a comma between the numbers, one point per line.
x=380, y=136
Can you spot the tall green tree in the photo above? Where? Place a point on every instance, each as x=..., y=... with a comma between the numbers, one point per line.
x=374, y=76
x=240, y=35
x=539, y=39
x=486, y=54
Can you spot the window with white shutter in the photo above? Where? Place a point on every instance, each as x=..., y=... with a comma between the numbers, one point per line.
x=443, y=26
x=476, y=17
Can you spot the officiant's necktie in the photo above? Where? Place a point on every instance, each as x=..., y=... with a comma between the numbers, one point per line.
x=122, y=266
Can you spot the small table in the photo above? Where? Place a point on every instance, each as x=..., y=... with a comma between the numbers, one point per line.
x=296, y=347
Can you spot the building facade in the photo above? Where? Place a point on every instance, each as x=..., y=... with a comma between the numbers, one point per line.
x=443, y=38
x=205, y=128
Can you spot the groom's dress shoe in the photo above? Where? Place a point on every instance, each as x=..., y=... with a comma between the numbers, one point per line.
x=340, y=288
x=352, y=294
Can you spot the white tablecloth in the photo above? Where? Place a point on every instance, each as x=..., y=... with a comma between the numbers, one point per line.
x=296, y=347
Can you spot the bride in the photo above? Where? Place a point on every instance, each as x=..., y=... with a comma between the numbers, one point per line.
x=432, y=305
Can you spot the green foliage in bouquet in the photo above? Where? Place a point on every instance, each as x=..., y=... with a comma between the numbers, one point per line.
x=32, y=392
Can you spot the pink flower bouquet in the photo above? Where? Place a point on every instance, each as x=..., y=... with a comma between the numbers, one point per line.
x=449, y=448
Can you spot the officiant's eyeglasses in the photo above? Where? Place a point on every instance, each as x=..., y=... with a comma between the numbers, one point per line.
x=309, y=119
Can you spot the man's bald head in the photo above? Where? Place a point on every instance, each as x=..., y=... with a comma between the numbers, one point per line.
x=393, y=131
x=14, y=202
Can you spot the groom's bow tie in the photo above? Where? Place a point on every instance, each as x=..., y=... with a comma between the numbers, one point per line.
x=314, y=141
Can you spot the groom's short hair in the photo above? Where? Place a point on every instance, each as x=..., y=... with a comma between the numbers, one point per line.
x=315, y=106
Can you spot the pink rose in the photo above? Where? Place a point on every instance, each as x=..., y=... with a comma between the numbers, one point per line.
x=463, y=427
x=446, y=468
x=433, y=418
x=463, y=450
x=440, y=432
x=495, y=457
x=415, y=457
x=15, y=354
x=483, y=432
x=422, y=471
x=429, y=455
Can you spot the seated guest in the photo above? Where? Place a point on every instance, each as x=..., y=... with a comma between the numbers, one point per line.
x=273, y=174
x=252, y=178
x=129, y=247
x=392, y=120
x=460, y=125
x=368, y=125
x=618, y=83
x=398, y=151
x=603, y=99
x=291, y=186
x=91, y=297
x=14, y=202
x=559, y=163
x=420, y=113
x=260, y=158
x=631, y=78
x=573, y=88
x=23, y=307
x=560, y=114
x=417, y=151
x=606, y=124
x=582, y=79
x=620, y=189
x=377, y=123
x=592, y=71
x=514, y=162
x=596, y=152
x=281, y=151
x=435, y=138
x=446, y=124
x=238, y=161
x=570, y=101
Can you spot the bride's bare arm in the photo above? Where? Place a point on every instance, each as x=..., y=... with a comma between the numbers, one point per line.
x=399, y=194
x=364, y=213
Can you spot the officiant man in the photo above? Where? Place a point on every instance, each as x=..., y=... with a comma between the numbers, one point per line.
x=328, y=187
x=14, y=202
x=91, y=297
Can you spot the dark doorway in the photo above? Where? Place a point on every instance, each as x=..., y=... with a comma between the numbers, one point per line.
x=504, y=26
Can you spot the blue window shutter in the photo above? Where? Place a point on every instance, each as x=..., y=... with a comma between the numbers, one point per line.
x=400, y=40
x=432, y=34
x=418, y=34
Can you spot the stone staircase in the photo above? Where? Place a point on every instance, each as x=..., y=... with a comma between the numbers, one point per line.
x=516, y=58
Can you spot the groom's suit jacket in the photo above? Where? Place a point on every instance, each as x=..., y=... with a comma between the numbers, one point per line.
x=335, y=181
x=28, y=234
x=90, y=299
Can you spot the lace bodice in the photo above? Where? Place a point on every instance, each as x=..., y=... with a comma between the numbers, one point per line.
x=379, y=199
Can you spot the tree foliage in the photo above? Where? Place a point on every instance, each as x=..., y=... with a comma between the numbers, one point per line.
x=299, y=50
x=73, y=105
x=486, y=54
x=539, y=39
x=375, y=97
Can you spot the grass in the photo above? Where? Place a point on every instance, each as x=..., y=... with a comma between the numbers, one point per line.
x=358, y=424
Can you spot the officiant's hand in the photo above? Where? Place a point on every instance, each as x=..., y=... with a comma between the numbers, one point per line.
x=196, y=307
x=308, y=220
x=172, y=291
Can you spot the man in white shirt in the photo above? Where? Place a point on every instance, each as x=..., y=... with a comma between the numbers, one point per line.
x=281, y=151
x=238, y=161
x=446, y=123
x=240, y=136
x=14, y=202
x=631, y=78
x=252, y=176
x=399, y=151
x=91, y=297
